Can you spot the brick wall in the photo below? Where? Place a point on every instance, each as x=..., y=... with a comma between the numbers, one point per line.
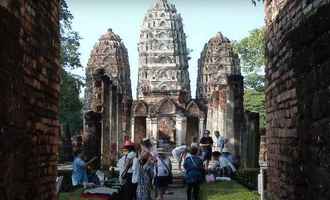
x=29, y=85
x=298, y=99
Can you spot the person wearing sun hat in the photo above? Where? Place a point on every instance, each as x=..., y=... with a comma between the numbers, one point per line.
x=226, y=161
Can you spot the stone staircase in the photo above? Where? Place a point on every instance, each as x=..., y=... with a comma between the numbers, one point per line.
x=178, y=176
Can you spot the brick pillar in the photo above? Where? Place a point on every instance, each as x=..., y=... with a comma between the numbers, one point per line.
x=29, y=85
x=298, y=99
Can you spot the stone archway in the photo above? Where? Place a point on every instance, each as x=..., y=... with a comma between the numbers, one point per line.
x=139, y=121
x=195, y=122
x=192, y=129
x=166, y=120
x=166, y=128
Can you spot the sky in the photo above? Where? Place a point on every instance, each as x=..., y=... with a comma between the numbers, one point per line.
x=202, y=19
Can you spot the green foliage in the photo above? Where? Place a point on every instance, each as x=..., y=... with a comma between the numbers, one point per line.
x=252, y=54
x=251, y=51
x=70, y=104
x=70, y=56
x=255, y=101
x=255, y=81
x=227, y=191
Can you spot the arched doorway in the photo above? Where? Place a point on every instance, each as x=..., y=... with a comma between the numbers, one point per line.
x=139, y=126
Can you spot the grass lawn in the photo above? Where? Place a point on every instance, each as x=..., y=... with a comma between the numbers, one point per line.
x=227, y=191
x=70, y=195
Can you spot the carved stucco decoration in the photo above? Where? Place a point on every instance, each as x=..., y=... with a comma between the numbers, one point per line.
x=110, y=55
x=167, y=106
x=194, y=110
x=140, y=109
x=162, y=44
x=217, y=62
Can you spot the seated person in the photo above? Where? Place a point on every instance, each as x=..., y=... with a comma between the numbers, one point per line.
x=215, y=167
x=226, y=166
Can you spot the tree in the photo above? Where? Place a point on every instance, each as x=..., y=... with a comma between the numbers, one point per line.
x=70, y=40
x=255, y=101
x=252, y=54
x=70, y=104
x=251, y=51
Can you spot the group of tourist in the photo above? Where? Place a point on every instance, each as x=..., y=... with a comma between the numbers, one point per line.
x=146, y=171
x=143, y=168
x=197, y=159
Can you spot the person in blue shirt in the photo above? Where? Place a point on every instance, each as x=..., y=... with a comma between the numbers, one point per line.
x=194, y=173
x=79, y=170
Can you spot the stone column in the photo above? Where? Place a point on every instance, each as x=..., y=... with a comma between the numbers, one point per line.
x=154, y=128
x=132, y=128
x=181, y=129
x=201, y=127
x=261, y=179
x=118, y=125
x=106, y=122
x=148, y=127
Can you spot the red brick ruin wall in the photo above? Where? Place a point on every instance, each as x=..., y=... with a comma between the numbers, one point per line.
x=298, y=99
x=29, y=85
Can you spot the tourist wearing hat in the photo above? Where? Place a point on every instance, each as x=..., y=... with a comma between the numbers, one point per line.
x=206, y=143
x=227, y=163
x=163, y=173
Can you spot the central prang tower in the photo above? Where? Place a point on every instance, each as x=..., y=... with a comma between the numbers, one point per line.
x=163, y=63
x=164, y=108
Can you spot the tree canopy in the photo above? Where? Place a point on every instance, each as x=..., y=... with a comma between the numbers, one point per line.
x=70, y=103
x=251, y=51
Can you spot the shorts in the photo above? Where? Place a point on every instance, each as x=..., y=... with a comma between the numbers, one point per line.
x=206, y=154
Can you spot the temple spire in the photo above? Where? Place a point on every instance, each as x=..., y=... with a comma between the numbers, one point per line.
x=161, y=4
x=163, y=67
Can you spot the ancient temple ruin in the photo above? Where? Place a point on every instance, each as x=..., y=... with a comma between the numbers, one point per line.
x=108, y=98
x=220, y=89
x=164, y=108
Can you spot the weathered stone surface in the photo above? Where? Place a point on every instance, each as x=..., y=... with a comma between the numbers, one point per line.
x=108, y=98
x=163, y=55
x=298, y=99
x=220, y=87
x=163, y=92
x=29, y=85
x=250, y=140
